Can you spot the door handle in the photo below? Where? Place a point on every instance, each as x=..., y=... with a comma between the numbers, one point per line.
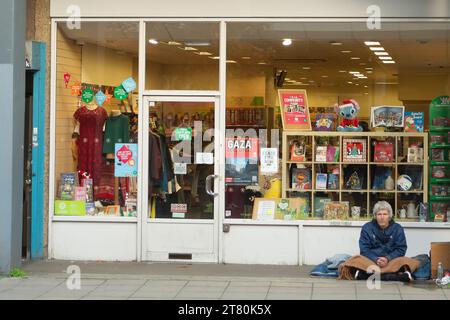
x=208, y=188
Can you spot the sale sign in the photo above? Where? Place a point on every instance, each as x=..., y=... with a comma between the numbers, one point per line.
x=294, y=107
x=125, y=164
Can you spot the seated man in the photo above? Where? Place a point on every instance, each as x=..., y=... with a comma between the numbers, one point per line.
x=383, y=240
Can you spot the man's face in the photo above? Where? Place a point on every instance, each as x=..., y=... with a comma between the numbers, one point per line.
x=383, y=218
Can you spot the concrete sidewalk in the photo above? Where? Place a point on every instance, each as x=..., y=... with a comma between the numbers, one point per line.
x=128, y=280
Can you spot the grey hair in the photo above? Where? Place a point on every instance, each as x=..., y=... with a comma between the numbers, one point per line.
x=382, y=205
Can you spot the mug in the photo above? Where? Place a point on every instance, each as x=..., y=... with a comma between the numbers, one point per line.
x=402, y=213
x=356, y=212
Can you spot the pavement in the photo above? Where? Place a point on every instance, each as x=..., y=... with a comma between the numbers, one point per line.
x=51, y=280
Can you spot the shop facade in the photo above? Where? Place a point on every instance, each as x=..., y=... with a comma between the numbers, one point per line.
x=159, y=116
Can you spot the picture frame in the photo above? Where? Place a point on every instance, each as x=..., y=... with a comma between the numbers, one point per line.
x=387, y=116
x=354, y=150
x=294, y=109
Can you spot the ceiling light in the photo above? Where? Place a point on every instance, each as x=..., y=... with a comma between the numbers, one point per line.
x=311, y=81
x=369, y=71
x=366, y=93
x=388, y=61
x=371, y=43
x=231, y=61
x=153, y=41
x=188, y=48
x=381, y=53
x=383, y=82
x=246, y=58
x=173, y=43
x=342, y=71
x=353, y=72
x=287, y=42
x=324, y=76
x=369, y=68
x=345, y=51
x=334, y=43
x=214, y=58
x=198, y=43
x=356, y=84
x=377, y=48
x=349, y=82
x=262, y=62
x=306, y=68
x=363, y=77
x=385, y=58
x=365, y=86
x=355, y=58
x=203, y=53
x=303, y=78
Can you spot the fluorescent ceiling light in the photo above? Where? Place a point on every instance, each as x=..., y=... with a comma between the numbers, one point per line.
x=335, y=43
x=353, y=72
x=369, y=71
x=349, y=82
x=385, y=58
x=203, y=53
x=366, y=93
x=153, y=41
x=365, y=86
x=311, y=81
x=303, y=78
x=214, y=58
x=377, y=48
x=306, y=68
x=345, y=51
x=246, y=58
x=231, y=61
x=369, y=68
x=381, y=53
x=371, y=43
x=173, y=43
x=363, y=77
x=188, y=48
x=356, y=84
x=342, y=71
x=381, y=82
x=262, y=62
x=198, y=43
x=388, y=61
x=287, y=42
x=355, y=58
x=324, y=76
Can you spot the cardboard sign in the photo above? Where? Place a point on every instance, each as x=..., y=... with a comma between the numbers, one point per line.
x=294, y=109
x=125, y=163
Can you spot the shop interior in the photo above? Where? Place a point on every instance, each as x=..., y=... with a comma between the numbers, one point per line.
x=401, y=64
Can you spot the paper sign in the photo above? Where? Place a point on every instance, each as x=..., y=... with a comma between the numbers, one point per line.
x=294, y=109
x=129, y=85
x=204, y=158
x=266, y=210
x=87, y=95
x=70, y=208
x=183, y=134
x=120, y=93
x=180, y=215
x=179, y=168
x=125, y=163
x=269, y=160
x=100, y=98
x=178, y=207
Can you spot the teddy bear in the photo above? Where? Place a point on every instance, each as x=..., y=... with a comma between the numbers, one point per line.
x=348, y=111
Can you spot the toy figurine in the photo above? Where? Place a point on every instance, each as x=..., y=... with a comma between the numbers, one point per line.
x=348, y=110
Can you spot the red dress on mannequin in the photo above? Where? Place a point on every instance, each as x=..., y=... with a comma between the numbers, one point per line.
x=90, y=141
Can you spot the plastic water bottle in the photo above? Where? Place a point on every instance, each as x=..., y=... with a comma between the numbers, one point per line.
x=440, y=273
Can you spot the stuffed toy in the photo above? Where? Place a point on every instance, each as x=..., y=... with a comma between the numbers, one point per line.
x=348, y=110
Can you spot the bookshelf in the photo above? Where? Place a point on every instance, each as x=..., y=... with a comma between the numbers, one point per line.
x=368, y=190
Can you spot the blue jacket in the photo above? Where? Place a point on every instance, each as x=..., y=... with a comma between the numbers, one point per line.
x=375, y=242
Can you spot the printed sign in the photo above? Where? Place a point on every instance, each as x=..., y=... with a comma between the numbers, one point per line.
x=178, y=207
x=204, y=158
x=294, y=109
x=241, y=161
x=100, y=98
x=70, y=208
x=125, y=163
x=269, y=160
x=179, y=168
x=120, y=93
x=87, y=95
x=129, y=85
x=182, y=134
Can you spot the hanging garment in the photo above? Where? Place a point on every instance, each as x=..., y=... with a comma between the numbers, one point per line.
x=90, y=140
x=154, y=162
x=116, y=131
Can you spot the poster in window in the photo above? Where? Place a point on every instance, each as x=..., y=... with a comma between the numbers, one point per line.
x=125, y=164
x=241, y=161
x=294, y=109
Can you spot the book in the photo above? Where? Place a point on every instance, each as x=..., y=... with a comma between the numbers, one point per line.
x=80, y=193
x=68, y=181
x=301, y=178
x=415, y=155
x=298, y=151
x=321, y=181
x=334, y=210
x=293, y=208
x=332, y=154
x=414, y=121
x=324, y=122
x=321, y=154
x=440, y=190
x=383, y=152
x=354, y=150
x=438, y=172
x=387, y=116
x=437, y=154
x=87, y=183
x=90, y=208
x=437, y=139
x=319, y=206
x=333, y=181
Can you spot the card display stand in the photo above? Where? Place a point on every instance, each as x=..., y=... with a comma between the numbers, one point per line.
x=361, y=174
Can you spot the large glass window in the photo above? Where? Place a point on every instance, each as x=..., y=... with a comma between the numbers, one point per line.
x=182, y=56
x=96, y=119
x=402, y=65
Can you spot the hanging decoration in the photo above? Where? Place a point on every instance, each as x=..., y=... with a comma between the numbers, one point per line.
x=108, y=96
x=87, y=95
x=76, y=89
x=120, y=93
x=129, y=85
x=100, y=98
x=66, y=79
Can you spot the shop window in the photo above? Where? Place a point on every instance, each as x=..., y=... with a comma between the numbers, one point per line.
x=96, y=119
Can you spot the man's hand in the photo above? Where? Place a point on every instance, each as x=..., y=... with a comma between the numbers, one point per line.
x=382, y=262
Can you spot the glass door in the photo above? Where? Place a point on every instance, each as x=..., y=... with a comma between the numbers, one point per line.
x=180, y=170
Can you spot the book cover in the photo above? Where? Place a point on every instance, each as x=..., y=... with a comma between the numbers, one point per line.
x=332, y=154
x=319, y=206
x=383, y=152
x=388, y=116
x=321, y=154
x=324, y=122
x=437, y=154
x=80, y=193
x=321, y=181
x=414, y=121
x=298, y=151
x=90, y=208
x=334, y=210
x=301, y=178
x=415, y=155
x=354, y=150
x=333, y=181
x=68, y=181
x=89, y=188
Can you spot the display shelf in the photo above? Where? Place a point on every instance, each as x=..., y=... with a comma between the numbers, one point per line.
x=438, y=128
x=439, y=163
x=366, y=174
x=298, y=190
x=439, y=146
x=440, y=180
x=439, y=198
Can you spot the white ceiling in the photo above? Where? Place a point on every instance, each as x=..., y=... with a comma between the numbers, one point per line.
x=416, y=47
